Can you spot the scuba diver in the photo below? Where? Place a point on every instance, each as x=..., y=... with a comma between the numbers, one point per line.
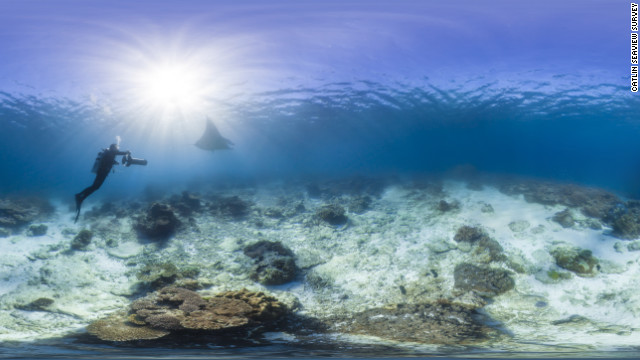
x=102, y=166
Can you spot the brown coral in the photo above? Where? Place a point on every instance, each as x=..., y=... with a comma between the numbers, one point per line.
x=220, y=313
x=264, y=307
x=177, y=309
x=117, y=328
x=179, y=296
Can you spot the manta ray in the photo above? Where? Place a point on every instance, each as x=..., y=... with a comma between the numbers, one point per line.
x=212, y=140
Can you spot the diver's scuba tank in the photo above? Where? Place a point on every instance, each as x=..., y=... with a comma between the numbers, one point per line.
x=96, y=164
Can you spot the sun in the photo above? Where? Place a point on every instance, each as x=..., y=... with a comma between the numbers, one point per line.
x=170, y=86
x=167, y=82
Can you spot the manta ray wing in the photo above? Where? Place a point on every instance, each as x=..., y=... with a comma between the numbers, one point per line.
x=211, y=139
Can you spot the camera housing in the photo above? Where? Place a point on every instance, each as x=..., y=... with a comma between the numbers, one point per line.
x=127, y=161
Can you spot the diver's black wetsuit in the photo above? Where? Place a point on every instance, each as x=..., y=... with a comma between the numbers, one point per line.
x=104, y=167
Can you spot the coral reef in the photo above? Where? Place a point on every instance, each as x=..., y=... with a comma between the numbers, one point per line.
x=469, y=234
x=405, y=252
x=159, y=222
x=158, y=275
x=558, y=275
x=564, y=218
x=519, y=226
x=485, y=248
x=82, y=240
x=38, y=304
x=623, y=217
x=264, y=308
x=232, y=206
x=579, y=261
x=333, y=214
x=593, y=202
x=431, y=323
x=116, y=327
x=634, y=246
x=175, y=310
x=626, y=225
x=186, y=204
x=37, y=230
x=445, y=206
x=483, y=280
x=274, y=263
x=17, y=212
x=488, y=250
x=487, y=209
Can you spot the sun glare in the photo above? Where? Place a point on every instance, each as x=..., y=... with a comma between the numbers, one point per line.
x=170, y=86
x=167, y=86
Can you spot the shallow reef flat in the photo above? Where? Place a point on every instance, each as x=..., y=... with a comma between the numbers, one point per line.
x=501, y=264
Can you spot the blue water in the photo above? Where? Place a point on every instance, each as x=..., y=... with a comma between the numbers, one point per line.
x=315, y=89
x=345, y=128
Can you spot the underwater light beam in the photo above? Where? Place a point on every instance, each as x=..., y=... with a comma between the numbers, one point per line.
x=167, y=86
x=167, y=78
x=161, y=87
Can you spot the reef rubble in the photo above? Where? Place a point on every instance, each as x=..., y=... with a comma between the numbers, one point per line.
x=440, y=323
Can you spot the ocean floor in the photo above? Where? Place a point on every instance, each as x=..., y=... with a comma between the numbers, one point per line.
x=422, y=263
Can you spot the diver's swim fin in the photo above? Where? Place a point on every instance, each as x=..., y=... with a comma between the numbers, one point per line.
x=78, y=206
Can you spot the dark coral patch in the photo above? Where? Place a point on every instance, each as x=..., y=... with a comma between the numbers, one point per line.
x=232, y=206
x=564, y=218
x=17, y=212
x=82, y=240
x=469, y=234
x=274, y=263
x=333, y=214
x=159, y=222
x=37, y=230
x=483, y=280
x=579, y=261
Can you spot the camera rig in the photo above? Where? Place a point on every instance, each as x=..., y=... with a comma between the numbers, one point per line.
x=127, y=161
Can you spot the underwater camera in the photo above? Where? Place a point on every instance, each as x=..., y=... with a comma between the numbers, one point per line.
x=127, y=160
